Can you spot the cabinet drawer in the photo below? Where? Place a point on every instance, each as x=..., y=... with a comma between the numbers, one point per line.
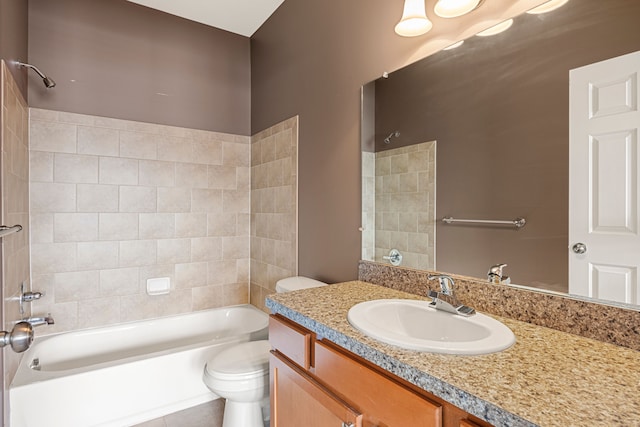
x=290, y=339
x=382, y=400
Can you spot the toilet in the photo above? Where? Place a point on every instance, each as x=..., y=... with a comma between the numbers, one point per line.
x=240, y=374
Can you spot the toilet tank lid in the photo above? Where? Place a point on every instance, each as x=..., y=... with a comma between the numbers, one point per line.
x=296, y=283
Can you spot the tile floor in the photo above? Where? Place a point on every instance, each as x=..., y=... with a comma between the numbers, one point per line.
x=205, y=415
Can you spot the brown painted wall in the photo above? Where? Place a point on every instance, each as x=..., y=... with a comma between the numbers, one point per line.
x=311, y=58
x=13, y=38
x=121, y=55
x=499, y=109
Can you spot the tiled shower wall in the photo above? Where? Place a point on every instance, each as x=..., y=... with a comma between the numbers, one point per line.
x=368, y=205
x=405, y=204
x=15, y=209
x=274, y=214
x=116, y=202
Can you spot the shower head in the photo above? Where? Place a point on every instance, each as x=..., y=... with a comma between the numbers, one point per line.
x=48, y=81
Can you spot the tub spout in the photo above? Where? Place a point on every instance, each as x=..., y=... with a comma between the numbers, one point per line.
x=38, y=321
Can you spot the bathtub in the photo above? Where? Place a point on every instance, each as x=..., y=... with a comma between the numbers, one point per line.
x=126, y=374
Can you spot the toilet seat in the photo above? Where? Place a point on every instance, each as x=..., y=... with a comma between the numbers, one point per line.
x=244, y=361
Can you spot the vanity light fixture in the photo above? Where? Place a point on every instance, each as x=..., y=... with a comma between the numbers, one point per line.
x=547, y=7
x=455, y=45
x=454, y=8
x=496, y=29
x=414, y=20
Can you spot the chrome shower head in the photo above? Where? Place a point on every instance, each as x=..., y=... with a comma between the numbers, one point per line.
x=48, y=81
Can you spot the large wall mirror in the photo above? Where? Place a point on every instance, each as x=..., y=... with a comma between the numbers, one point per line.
x=483, y=131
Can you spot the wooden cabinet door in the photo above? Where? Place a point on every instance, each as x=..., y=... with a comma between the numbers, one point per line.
x=299, y=400
x=382, y=400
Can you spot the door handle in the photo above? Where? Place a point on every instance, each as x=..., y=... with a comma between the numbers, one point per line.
x=579, y=248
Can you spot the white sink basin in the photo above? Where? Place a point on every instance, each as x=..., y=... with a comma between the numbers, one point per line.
x=413, y=325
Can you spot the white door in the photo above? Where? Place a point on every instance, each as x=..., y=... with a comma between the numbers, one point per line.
x=604, y=180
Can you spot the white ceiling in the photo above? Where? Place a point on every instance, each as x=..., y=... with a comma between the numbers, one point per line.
x=242, y=17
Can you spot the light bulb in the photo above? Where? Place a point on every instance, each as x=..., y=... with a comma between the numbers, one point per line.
x=414, y=20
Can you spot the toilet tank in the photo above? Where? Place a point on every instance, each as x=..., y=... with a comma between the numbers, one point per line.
x=296, y=283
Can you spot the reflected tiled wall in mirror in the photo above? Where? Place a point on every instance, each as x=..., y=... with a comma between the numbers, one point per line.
x=405, y=177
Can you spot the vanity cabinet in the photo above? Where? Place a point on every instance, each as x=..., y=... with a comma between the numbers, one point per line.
x=316, y=383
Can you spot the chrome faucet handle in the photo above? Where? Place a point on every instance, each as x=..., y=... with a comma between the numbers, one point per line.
x=31, y=296
x=495, y=274
x=446, y=282
x=394, y=257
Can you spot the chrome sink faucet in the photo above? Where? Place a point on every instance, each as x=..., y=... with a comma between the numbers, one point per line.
x=445, y=299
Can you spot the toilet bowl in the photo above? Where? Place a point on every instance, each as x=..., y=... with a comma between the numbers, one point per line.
x=240, y=374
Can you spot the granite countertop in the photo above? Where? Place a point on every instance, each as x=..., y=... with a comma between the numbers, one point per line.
x=547, y=378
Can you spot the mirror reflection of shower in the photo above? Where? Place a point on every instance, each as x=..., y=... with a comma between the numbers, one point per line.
x=394, y=134
x=48, y=81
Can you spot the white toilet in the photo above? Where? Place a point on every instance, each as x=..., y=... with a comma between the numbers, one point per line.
x=240, y=374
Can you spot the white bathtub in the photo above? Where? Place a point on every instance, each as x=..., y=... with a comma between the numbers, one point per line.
x=126, y=374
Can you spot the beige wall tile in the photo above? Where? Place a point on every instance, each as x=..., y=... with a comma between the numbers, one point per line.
x=118, y=226
x=114, y=170
x=75, y=168
x=52, y=197
x=137, y=145
x=171, y=199
x=222, y=224
x=97, y=255
x=76, y=286
x=174, y=251
x=221, y=272
x=236, y=293
x=137, y=253
x=157, y=225
x=157, y=173
x=236, y=201
x=75, y=227
x=97, y=198
x=41, y=166
x=98, y=141
x=191, y=175
x=191, y=224
x=235, y=247
x=98, y=312
x=119, y=281
x=191, y=275
x=53, y=257
x=53, y=137
x=138, y=199
x=206, y=200
x=222, y=177
x=236, y=154
x=175, y=149
x=207, y=152
x=41, y=227
x=206, y=249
